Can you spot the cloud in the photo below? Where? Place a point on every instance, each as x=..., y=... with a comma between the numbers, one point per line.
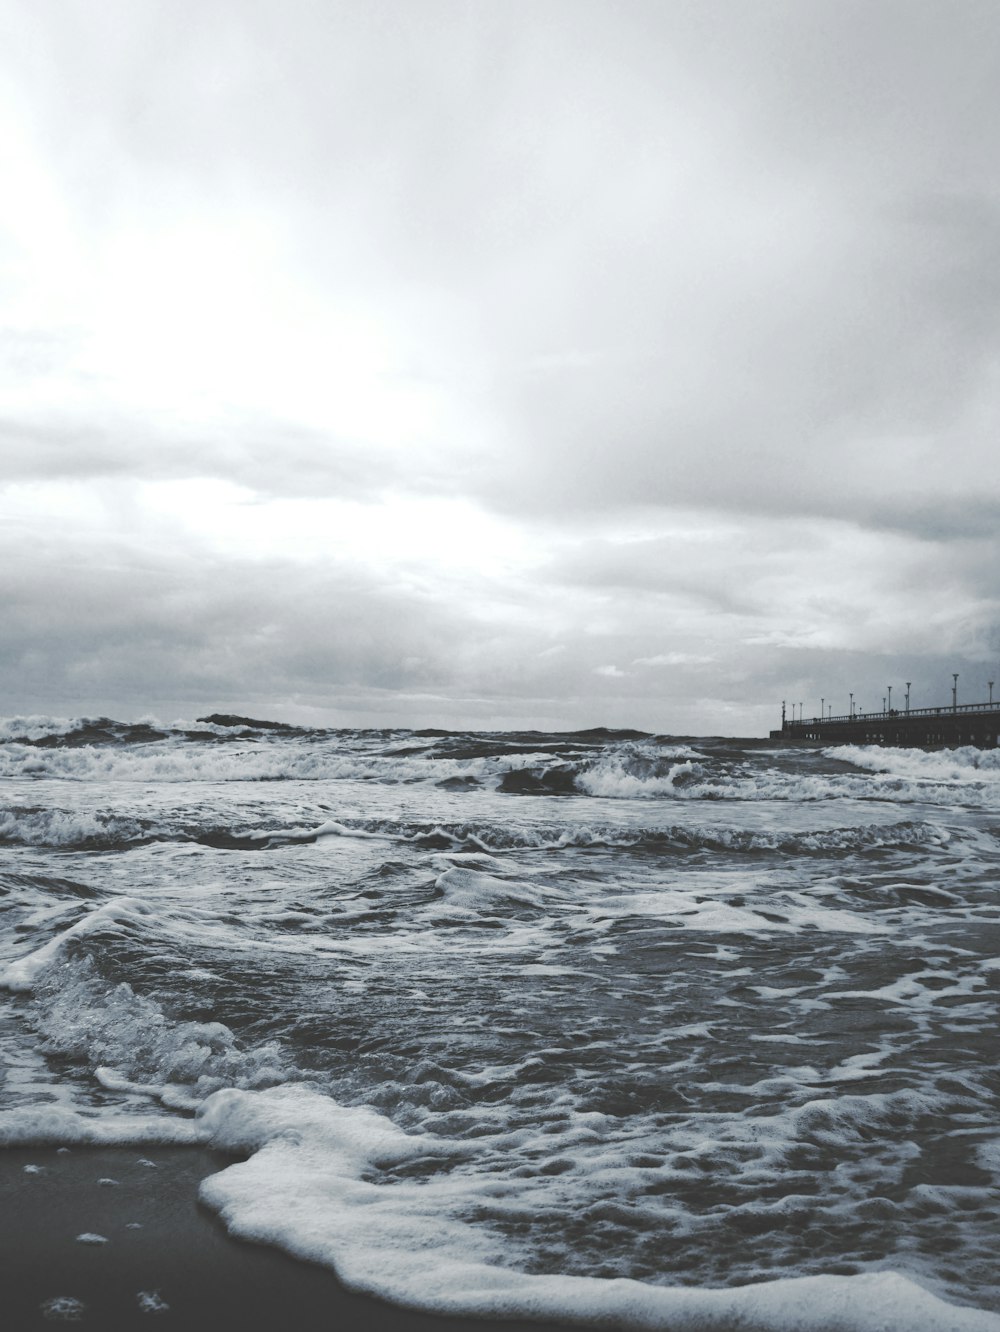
x=568, y=260
x=121, y=626
x=441, y=355
x=674, y=659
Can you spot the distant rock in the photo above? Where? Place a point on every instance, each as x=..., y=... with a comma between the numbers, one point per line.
x=230, y=719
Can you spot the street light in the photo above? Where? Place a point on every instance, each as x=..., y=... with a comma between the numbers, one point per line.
x=991, y=693
x=954, y=691
x=889, y=687
x=908, y=695
x=852, y=705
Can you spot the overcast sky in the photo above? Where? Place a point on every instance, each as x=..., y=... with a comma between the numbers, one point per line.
x=498, y=363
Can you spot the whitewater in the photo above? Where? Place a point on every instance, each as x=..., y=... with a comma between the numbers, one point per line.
x=593, y=1027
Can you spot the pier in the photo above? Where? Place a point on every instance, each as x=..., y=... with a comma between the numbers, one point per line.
x=975, y=724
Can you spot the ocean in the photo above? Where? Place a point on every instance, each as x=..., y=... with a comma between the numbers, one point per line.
x=593, y=1026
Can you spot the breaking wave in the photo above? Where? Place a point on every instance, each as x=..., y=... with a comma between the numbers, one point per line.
x=966, y=764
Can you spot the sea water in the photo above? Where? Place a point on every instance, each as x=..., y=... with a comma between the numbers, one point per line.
x=594, y=1026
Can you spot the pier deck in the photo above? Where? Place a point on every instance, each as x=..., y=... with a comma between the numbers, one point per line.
x=968, y=724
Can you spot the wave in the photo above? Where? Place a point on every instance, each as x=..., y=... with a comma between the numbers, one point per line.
x=471, y=890
x=489, y=837
x=334, y=1184
x=649, y=770
x=267, y=760
x=73, y=830
x=83, y=831
x=129, y=1037
x=328, y=1183
x=495, y=1210
x=73, y=732
x=70, y=829
x=952, y=766
x=645, y=771
x=50, y=732
x=29, y=729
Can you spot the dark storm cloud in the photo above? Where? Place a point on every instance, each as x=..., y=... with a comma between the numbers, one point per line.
x=122, y=622
x=943, y=519
x=117, y=625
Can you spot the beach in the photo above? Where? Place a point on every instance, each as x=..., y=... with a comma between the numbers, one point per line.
x=166, y=1260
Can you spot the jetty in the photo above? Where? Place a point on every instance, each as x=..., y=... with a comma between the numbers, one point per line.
x=947, y=727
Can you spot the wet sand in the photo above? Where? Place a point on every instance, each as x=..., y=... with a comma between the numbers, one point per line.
x=166, y=1261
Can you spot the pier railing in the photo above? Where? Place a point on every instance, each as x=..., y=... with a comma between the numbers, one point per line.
x=898, y=714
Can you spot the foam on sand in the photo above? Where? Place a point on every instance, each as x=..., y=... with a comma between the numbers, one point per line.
x=308, y=1188
x=60, y=1125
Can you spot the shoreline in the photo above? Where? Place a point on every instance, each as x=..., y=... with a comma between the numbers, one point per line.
x=114, y=1239
x=162, y=1247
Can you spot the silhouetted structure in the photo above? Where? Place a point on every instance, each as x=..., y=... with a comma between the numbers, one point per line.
x=961, y=724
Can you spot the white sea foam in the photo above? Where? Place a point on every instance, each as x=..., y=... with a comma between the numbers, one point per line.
x=63, y=1309
x=631, y=771
x=311, y=1187
x=778, y=913
x=37, y=727
x=965, y=764
x=60, y=1125
x=151, y=1302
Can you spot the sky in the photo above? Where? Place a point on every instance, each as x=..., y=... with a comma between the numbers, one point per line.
x=498, y=363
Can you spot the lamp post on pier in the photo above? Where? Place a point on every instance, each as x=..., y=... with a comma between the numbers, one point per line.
x=822, y=708
x=908, y=696
x=991, y=693
x=954, y=691
x=889, y=687
x=852, y=705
